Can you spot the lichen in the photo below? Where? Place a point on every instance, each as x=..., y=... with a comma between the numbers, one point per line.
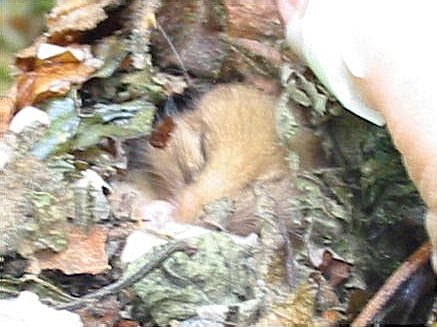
x=40, y=198
x=220, y=272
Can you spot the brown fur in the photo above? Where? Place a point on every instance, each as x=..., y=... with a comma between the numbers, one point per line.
x=216, y=150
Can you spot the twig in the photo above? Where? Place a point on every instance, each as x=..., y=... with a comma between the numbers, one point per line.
x=173, y=49
x=127, y=281
x=385, y=293
x=49, y=286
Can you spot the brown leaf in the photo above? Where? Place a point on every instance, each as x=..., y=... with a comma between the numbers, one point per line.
x=7, y=107
x=42, y=53
x=162, y=133
x=69, y=18
x=336, y=271
x=85, y=254
x=50, y=81
x=50, y=70
x=25, y=59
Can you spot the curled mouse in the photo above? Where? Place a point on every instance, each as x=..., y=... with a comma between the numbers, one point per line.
x=225, y=145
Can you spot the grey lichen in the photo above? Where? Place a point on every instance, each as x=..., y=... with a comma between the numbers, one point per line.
x=220, y=272
x=39, y=198
x=34, y=209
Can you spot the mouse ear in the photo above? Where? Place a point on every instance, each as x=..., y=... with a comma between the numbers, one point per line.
x=288, y=9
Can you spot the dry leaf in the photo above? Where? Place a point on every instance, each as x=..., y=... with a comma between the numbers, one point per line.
x=69, y=18
x=50, y=81
x=50, y=70
x=7, y=106
x=162, y=132
x=335, y=270
x=85, y=254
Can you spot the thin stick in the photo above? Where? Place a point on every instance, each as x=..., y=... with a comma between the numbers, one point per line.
x=178, y=58
x=127, y=281
x=420, y=257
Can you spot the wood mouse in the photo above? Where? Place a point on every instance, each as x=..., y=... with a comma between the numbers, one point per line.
x=229, y=141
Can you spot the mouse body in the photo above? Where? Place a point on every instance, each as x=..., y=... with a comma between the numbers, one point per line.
x=225, y=144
